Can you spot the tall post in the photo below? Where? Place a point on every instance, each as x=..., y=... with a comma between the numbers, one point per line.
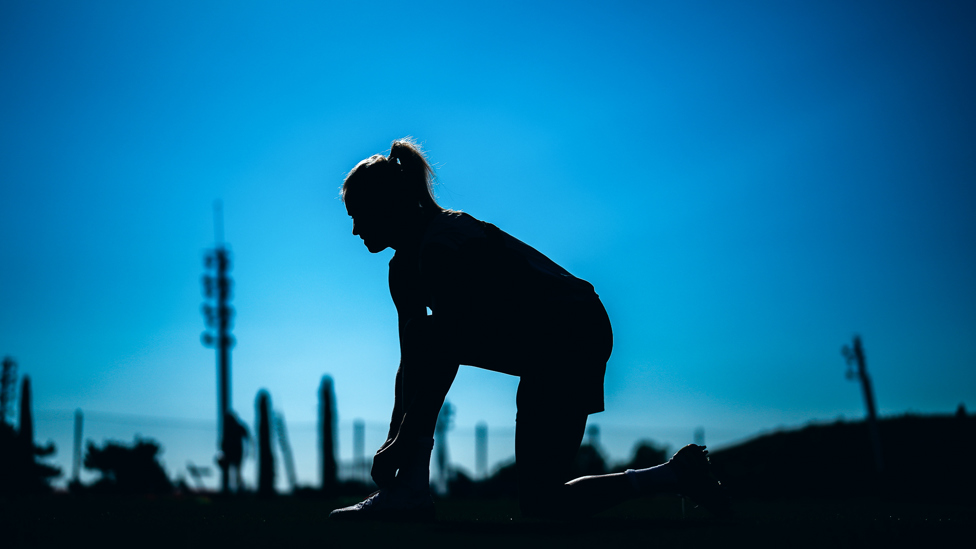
x=266, y=468
x=327, y=423
x=855, y=355
x=219, y=315
x=76, y=462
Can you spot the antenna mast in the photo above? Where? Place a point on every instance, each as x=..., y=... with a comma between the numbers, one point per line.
x=218, y=315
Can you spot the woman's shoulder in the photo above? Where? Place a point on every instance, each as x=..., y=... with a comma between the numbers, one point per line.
x=452, y=229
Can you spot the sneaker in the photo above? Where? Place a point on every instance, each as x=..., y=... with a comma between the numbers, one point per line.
x=389, y=504
x=690, y=465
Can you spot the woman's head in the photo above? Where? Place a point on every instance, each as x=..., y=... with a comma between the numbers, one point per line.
x=382, y=193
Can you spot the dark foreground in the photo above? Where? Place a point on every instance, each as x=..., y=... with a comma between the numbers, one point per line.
x=467, y=524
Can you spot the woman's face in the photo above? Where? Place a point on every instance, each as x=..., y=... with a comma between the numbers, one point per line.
x=374, y=224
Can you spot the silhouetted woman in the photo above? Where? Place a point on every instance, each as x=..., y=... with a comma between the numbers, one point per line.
x=496, y=303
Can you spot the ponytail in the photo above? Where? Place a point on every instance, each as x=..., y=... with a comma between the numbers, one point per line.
x=403, y=175
x=416, y=175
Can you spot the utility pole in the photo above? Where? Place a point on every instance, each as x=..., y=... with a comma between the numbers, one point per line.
x=218, y=315
x=855, y=355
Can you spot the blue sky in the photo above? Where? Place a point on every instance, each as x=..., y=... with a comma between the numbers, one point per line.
x=746, y=185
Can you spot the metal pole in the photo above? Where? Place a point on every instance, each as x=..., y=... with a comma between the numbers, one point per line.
x=481, y=450
x=856, y=355
x=76, y=464
x=223, y=356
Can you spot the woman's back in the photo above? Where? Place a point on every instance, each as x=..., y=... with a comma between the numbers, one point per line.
x=464, y=260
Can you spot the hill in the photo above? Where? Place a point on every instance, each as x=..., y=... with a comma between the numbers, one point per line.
x=924, y=456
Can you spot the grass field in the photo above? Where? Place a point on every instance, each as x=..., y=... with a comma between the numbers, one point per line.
x=63, y=521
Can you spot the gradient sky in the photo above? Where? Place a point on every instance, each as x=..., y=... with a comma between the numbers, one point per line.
x=746, y=184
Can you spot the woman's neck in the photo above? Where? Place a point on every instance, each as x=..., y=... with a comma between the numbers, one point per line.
x=414, y=228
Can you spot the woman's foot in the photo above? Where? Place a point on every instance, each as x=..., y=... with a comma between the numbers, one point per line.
x=690, y=464
x=390, y=504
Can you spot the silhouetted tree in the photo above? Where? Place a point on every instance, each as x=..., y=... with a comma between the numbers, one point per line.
x=265, y=457
x=26, y=424
x=647, y=453
x=589, y=457
x=128, y=469
x=589, y=461
x=20, y=472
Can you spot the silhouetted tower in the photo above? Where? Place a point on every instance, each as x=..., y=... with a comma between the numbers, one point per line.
x=265, y=456
x=700, y=436
x=327, y=434
x=442, y=459
x=219, y=316
x=286, y=450
x=359, y=449
x=481, y=450
x=26, y=426
x=8, y=387
x=76, y=457
x=855, y=355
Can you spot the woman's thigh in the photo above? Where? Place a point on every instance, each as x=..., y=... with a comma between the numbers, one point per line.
x=548, y=433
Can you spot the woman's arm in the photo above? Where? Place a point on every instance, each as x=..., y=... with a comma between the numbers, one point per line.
x=409, y=304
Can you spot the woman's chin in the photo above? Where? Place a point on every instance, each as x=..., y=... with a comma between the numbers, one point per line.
x=375, y=248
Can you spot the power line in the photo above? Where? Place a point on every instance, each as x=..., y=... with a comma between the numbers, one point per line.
x=128, y=419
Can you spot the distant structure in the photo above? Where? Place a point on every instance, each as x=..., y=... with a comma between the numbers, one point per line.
x=76, y=456
x=593, y=436
x=218, y=315
x=359, y=465
x=282, y=432
x=197, y=474
x=235, y=438
x=8, y=388
x=327, y=434
x=481, y=450
x=855, y=355
x=700, y=436
x=442, y=459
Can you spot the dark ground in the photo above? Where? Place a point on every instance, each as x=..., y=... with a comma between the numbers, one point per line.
x=115, y=521
x=812, y=487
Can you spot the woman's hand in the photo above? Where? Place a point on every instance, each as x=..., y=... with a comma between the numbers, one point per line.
x=385, y=463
